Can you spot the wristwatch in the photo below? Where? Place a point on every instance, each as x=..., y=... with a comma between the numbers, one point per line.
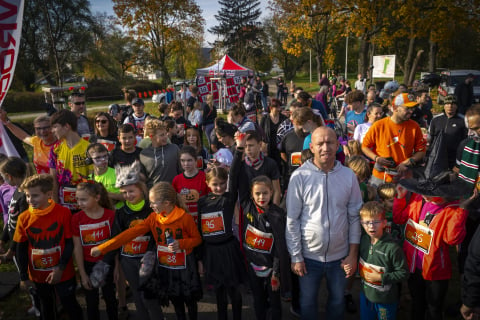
x=411, y=162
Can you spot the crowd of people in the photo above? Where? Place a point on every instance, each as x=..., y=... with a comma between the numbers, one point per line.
x=278, y=198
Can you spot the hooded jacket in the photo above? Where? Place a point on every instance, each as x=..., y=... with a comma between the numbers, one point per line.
x=322, y=213
x=448, y=227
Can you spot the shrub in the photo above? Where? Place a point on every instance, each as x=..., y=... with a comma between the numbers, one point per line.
x=24, y=101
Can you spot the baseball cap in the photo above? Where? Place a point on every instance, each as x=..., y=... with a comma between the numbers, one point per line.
x=137, y=101
x=405, y=100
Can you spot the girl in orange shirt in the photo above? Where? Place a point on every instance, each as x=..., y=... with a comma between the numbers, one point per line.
x=176, y=235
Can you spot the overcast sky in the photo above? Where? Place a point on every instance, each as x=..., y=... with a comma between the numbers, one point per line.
x=209, y=9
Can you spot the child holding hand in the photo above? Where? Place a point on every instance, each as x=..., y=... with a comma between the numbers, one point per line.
x=382, y=266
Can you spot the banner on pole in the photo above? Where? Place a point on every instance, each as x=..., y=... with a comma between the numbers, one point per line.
x=384, y=66
x=11, y=17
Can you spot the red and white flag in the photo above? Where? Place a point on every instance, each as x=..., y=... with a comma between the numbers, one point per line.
x=11, y=17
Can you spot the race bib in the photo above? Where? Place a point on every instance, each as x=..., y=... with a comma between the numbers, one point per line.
x=46, y=259
x=365, y=268
x=418, y=236
x=69, y=197
x=136, y=248
x=95, y=234
x=171, y=260
x=296, y=159
x=257, y=240
x=212, y=224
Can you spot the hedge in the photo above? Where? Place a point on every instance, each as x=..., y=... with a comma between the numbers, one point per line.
x=97, y=90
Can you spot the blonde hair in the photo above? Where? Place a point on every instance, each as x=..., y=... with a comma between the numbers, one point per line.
x=386, y=191
x=354, y=147
x=360, y=167
x=371, y=210
x=152, y=126
x=164, y=191
x=302, y=115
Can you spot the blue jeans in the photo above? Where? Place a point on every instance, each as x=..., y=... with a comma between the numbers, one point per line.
x=373, y=311
x=310, y=284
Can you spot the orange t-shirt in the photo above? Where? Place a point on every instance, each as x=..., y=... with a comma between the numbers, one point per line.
x=389, y=139
x=45, y=232
x=41, y=152
x=179, y=223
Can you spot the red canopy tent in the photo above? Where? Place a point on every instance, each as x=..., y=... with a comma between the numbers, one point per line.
x=222, y=80
x=225, y=67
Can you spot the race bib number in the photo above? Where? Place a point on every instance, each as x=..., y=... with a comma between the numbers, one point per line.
x=136, y=248
x=69, y=195
x=257, y=240
x=418, y=236
x=107, y=143
x=296, y=159
x=46, y=259
x=212, y=224
x=95, y=234
x=171, y=260
x=365, y=268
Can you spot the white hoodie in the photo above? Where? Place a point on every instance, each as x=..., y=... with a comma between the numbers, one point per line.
x=322, y=213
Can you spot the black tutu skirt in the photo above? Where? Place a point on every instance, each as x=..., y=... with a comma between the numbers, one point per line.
x=224, y=264
x=183, y=283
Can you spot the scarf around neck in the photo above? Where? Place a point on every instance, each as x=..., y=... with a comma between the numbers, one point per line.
x=42, y=212
x=256, y=163
x=470, y=161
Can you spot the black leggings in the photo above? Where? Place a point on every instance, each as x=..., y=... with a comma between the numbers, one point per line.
x=222, y=302
x=178, y=304
x=428, y=297
x=265, y=300
x=108, y=292
x=66, y=292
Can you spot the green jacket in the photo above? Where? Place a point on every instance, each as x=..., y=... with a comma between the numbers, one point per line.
x=387, y=257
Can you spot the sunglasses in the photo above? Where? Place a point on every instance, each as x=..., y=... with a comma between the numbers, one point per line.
x=79, y=103
x=103, y=121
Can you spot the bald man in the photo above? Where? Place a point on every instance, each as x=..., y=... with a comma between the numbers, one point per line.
x=323, y=225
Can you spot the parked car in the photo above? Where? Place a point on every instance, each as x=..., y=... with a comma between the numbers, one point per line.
x=451, y=78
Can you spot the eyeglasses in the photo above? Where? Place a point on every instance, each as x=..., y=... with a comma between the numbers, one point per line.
x=42, y=128
x=100, y=158
x=371, y=223
x=79, y=103
x=102, y=121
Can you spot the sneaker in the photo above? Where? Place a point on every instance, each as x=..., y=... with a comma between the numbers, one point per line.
x=33, y=311
x=123, y=313
x=350, y=305
x=295, y=312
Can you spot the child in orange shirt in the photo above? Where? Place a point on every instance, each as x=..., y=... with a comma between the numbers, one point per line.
x=44, y=249
x=176, y=235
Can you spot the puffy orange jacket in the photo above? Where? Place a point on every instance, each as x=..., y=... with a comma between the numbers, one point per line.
x=448, y=230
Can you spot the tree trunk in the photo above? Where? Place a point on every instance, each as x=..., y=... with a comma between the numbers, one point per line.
x=319, y=60
x=408, y=61
x=432, y=56
x=414, y=67
x=363, y=57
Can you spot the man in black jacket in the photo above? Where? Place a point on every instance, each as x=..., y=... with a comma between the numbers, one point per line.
x=464, y=93
x=471, y=280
